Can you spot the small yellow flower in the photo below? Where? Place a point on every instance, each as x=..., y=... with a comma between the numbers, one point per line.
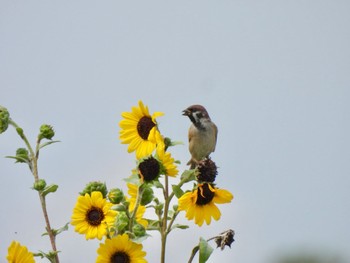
x=19, y=254
x=139, y=130
x=120, y=249
x=92, y=215
x=200, y=204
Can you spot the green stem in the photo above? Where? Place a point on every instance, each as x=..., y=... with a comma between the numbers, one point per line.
x=194, y=252
x=34, y=169
x=172, y=222
x=164, y=232
x=137, y=204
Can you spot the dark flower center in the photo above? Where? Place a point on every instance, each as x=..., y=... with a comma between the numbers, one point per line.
x=204, y=195
x=144, y=126
x=149, y=169
x=207, y=171
x=95, y=216
x=120, y=257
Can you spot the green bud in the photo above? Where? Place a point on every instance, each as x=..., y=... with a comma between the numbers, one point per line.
x=39, y=185
x=147, y=196
x=159, y=208
x=95, y=186
x=115, y=195
x=46, y=132
x=22, y=155
x=175, y=207
x=119, y=208
x=138, y=230
x=4, y=119
x=122, y=221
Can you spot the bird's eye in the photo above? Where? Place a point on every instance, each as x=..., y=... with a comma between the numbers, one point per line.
x=199, y=114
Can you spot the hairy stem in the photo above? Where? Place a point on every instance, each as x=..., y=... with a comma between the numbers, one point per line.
x=164, y=232
x=34, y=169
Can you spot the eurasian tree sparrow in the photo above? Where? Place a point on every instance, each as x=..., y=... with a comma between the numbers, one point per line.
x=202, y=134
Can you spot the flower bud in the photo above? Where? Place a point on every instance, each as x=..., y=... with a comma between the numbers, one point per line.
x=46, y=132
x=95, y=186
x=122, y=221
x=39, y=185
x=115, y=195
x=138, y=230
x=22, y=155
x=4, y=119
x=147, y=196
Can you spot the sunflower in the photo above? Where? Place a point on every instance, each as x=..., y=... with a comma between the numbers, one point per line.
x=168, y=163
x=122, y=250
x=200, y=204
x=139, y=130
x=19, y=254
x=92, y=215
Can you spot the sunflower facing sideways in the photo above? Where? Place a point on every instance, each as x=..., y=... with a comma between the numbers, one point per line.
x=120, y=249
x=200, y=204
x=92, y=215
x=139, y=130
x=19, y=254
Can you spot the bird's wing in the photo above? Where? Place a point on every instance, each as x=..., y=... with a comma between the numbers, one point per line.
x=216, y=135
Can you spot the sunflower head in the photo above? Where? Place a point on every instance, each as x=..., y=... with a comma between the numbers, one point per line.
x=122, y=250
x=139, y=129
x=92, y=215
x=207, y=171
x=149, y=169
x=200, y=204
x=18, y=253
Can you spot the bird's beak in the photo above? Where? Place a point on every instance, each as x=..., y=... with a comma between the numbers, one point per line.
x=186, y=112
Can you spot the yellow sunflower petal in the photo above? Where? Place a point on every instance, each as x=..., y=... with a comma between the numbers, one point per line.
x=222, y=196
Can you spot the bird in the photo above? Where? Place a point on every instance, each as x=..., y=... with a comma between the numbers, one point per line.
x=202, y=134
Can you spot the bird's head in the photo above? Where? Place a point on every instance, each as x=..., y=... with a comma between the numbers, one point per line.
x=196, y=113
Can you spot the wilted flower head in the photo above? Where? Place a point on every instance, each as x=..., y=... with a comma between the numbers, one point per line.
x=225, y=239
x=207, y=171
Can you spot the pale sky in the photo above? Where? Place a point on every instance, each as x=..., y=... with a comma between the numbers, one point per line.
x=274, y=76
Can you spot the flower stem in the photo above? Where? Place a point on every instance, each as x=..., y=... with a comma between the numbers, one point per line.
x=33, y=165
x=164, y=232
x=194, y=252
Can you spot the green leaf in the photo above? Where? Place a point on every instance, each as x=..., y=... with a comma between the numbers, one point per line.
x=49, y=189
x=179, y=226
x=62, y=229
x=18, y=159
x=188, y=175
x=133, y=179
x=153, y=224
x=205, y=250
x=51, y=256
x=177, y=191
x=47, y=143
x=157, y=184
x=57, y=231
